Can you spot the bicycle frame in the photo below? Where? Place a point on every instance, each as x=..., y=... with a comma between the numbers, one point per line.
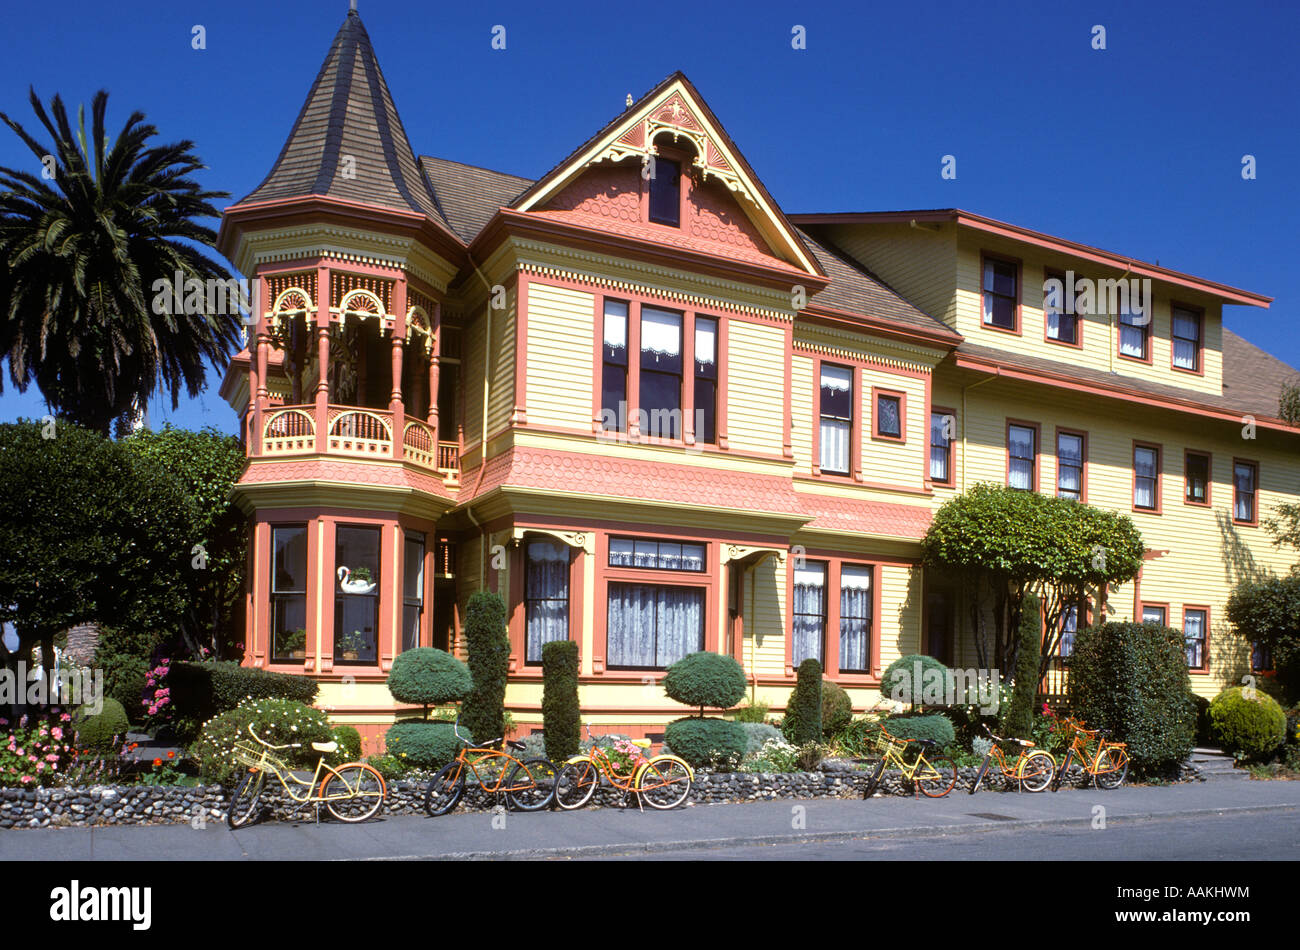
x=893, y=752
x=268, y=763
x=471, y=758
x=605, y=765
x=1089, y=759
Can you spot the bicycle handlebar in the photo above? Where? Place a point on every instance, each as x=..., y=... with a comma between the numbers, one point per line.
x=291, y=745
x=473, y=745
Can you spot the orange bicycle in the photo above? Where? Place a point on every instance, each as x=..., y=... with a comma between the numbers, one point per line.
x=527, y=785
x=1033, y=768
x=1106, y=761
x=663, y=781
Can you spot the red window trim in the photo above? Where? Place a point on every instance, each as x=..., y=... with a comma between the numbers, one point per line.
x=952, y=455
x=855, y=424
x=1209, y=478
x=1204, y=668
x=517, y=620
x=1148, y=346
x=876, y=393
x=1083, y=468
x=1200, y=345
x=831, y=652
x=1153, y=603
x=1160, y=471
x=1254, y=522
x=1038, y=449
x=1048, y=274
x=1020, y=292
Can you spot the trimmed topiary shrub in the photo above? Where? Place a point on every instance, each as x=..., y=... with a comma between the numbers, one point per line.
x=561, y=721
x=349, y=741
x=201, y=690
x=933, y=726
x=706, y=679
x=104, y=731
x=754, y=712
x=278, y=721
x=837, y=708
x=428, y=677
x=483, y=711
x=124, y=676
x=424, y=745
x=896, y=683
x=756, y=733
x=803, y=714
x=1249, y=727
x=717, y=744
x=1020, y=717
x=1131, y=678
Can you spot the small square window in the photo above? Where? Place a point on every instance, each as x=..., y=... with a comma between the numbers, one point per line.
x=889, y=416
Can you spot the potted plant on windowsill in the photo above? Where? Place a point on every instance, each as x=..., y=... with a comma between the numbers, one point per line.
x=356, y=581
x=293, y=643
x=352, y=644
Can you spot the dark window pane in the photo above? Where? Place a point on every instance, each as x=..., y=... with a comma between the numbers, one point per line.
x=356, y=601
x=889, y=416
x=290, y=572
x=665, y=192
x=1198, y=478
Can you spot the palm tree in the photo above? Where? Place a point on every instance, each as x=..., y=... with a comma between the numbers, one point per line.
x=84, y=250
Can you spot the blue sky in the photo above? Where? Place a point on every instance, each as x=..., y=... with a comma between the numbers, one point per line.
x=1136, y=149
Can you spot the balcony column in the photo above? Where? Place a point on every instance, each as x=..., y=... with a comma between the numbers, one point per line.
x=435, y=347
x=263, y=393
x=396, y=407
x=323, y=386
x=252, y=427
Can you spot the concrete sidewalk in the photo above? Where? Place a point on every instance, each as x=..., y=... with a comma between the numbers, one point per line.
x=481, y=835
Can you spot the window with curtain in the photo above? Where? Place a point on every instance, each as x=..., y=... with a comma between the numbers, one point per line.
x=546, y=596
x=288, y=592
x=1196, y=487
x=1134, y=333
x=855, y=618
x=1261, y=657
x=1153, y=614
x=648, y=553
x=356, y=594
x=706, y=379
x=809, y=636
x=1001, y=295
x=661, y=372
x=613, y=382
x=1194, y=638
x=1069, y=628
x=1186, y=332
x=940, y=447
x=1244, y=478
x=889, y=416
x=412, y=590
x=835, y=434
x=652, y=626
x=666, y=192
x=1062, y=318
x=1146, y=477
x=1022, y=452
x=1069, y=465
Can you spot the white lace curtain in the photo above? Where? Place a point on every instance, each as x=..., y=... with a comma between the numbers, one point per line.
x=855, y=616
x=652, y=626
x=809, y=613
x=546, y=586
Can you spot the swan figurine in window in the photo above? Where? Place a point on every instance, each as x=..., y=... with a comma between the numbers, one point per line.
x=362, y=584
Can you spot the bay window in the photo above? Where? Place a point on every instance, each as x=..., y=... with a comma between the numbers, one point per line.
x=706, y=379
x=288, y=592
x=855, y=618
x=661, y=372
x=613, y=374
x=808, y=638
x=546, y=596
x=653, y=624
x=356, y=594
x=836, y=429
x=412, y=590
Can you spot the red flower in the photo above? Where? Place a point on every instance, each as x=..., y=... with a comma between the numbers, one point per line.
x=171, y=753
x=157, y=762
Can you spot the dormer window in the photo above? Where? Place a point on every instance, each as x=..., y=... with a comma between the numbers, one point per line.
x=666, y=192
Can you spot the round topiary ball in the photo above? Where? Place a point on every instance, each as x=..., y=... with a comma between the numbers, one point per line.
x=717, y=744
x=706, y=679
x=429, y=677
x=104, y=731
x=897, y=682
x=423, y=745
x=1250, y=725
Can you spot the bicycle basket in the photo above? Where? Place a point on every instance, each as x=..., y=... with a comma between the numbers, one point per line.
x=249, y=754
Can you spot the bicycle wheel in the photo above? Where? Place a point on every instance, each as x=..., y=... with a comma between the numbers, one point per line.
x=1065, y=767
x=1112, y=766
x=874, y=780
x=937, y=776
x=243, y=804
x=984, y=767
x=664, y=782
x=1036, y=771
x=575, y=784
x=531, y=784
x=445, y=789
x=353, y=792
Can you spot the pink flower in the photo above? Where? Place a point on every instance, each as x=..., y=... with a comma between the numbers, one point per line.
x=57, y=732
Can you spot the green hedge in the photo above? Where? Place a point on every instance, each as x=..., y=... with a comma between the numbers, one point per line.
x=1251, y=728
x=201, y=690
x=1131, y=678
x=561, y=721
x=803, y=713
x=933, y=726
x=837, y=708
x=717, y=744
x=349, y=741
x=428, y=677
x=278, y=721
x=104, y=731
x=488, y=646
x=424, y=745
x=706, y=679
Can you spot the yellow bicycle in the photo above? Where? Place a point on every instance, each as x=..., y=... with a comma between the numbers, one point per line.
x=352, y=792
x=934, y=775
x=663, y=781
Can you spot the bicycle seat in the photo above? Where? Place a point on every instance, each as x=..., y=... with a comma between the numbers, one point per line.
x=924, y=741
x=641, y=743
x=325, y=747
x=517, y=746
x=1024, y=742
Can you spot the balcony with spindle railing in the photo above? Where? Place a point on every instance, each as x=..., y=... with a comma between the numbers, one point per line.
x=358, y=433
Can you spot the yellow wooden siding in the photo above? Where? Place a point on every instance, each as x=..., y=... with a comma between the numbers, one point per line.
x=884, y=461
x=1099, y=333
x=561, y=335
x=501, y=400
x=765, y=619
x=755, y=386
x=921, y=265
x=803, y=413
x=473, y=380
